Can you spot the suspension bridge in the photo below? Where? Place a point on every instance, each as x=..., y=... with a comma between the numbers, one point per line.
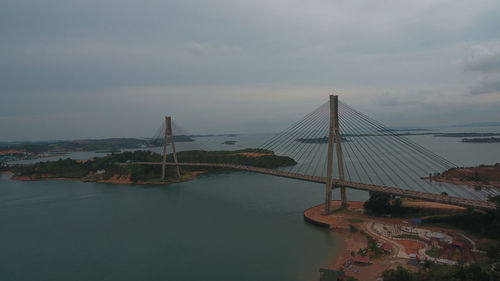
x=340, y=147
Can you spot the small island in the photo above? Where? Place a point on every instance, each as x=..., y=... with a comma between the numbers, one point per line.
x=465, y=135
x=482, y=140
x=318, y=140
x=12, y=151
x=481, y=176
x=119, y=168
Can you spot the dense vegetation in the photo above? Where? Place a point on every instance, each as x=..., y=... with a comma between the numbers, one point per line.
x=266, y=160
x=481, y=223
x=110, y=164
x=382, y=203
x=113, y=144
x=473, y=272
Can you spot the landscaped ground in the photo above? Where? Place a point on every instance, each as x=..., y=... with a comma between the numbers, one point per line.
x=355, y=226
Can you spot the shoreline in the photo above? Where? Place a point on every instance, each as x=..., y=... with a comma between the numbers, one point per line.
x=348, y=240
x=115, y=179
x=487, y=176
x=459, y=181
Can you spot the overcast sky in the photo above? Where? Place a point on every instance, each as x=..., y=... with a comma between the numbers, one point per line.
x=114, y=68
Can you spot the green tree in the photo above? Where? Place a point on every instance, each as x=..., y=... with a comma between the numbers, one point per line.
x=400, y=274
x=378, y=203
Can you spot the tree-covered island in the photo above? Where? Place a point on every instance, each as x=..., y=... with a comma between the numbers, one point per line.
x=120, y=167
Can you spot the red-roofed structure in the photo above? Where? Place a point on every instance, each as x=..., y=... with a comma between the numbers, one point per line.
x=360, y=259
x=387, y=247
x=457, y=244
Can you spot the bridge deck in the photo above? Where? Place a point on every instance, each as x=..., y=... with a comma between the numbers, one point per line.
x=452, y=200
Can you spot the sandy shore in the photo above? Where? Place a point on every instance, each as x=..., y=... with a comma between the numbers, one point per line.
x=341, y=221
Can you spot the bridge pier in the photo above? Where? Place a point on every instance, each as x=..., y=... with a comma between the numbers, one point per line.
x=334, y=138
x=168, y=132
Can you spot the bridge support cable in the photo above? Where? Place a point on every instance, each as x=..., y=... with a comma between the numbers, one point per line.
x=292, y=146
x=418, y=154
x=307, y=144
x=399, y=141
x=408, y=148
x=319, y=153
x=376, y=137
x=382, y=131
x=157, y=138
x=303, y=158
x=351, y=129
x=350, y=155
x=271, y=142
x=416, y=147
x=386, y=156
x=399, y=162
x=301, y=140
x=287, y=143
x=363, y=151
x=286, y=134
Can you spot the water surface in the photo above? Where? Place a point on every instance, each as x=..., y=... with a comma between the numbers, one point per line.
x=219, y=227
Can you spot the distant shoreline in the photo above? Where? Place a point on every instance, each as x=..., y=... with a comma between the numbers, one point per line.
x=487, y=176
x=115, y=179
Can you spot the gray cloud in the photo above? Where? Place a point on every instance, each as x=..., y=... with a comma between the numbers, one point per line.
x=487, y=87
x=234, y=62
x=485, y=61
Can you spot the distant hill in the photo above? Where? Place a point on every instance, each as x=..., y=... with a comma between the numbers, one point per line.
x=111, y=144
x=478, y=124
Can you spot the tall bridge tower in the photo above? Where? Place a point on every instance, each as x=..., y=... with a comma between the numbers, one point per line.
x=168, y=132
x=334, y=138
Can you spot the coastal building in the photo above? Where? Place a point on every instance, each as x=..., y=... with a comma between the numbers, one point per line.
x=386, y=247
x=361, y=260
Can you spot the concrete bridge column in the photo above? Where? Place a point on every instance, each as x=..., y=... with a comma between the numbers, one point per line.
x=334, y=138
x=338, y=144
x=329, y=163
x=168, y=132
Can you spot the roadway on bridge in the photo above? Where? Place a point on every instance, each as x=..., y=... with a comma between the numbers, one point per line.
x=452, y=200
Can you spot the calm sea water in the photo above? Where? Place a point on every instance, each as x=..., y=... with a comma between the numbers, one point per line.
x=228, y=226
x=231, y=226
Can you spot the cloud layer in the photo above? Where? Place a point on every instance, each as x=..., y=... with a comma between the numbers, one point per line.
x=72, y=69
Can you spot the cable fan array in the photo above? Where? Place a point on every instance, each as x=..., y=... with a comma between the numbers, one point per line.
x=184, y=140
x=372, y=153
